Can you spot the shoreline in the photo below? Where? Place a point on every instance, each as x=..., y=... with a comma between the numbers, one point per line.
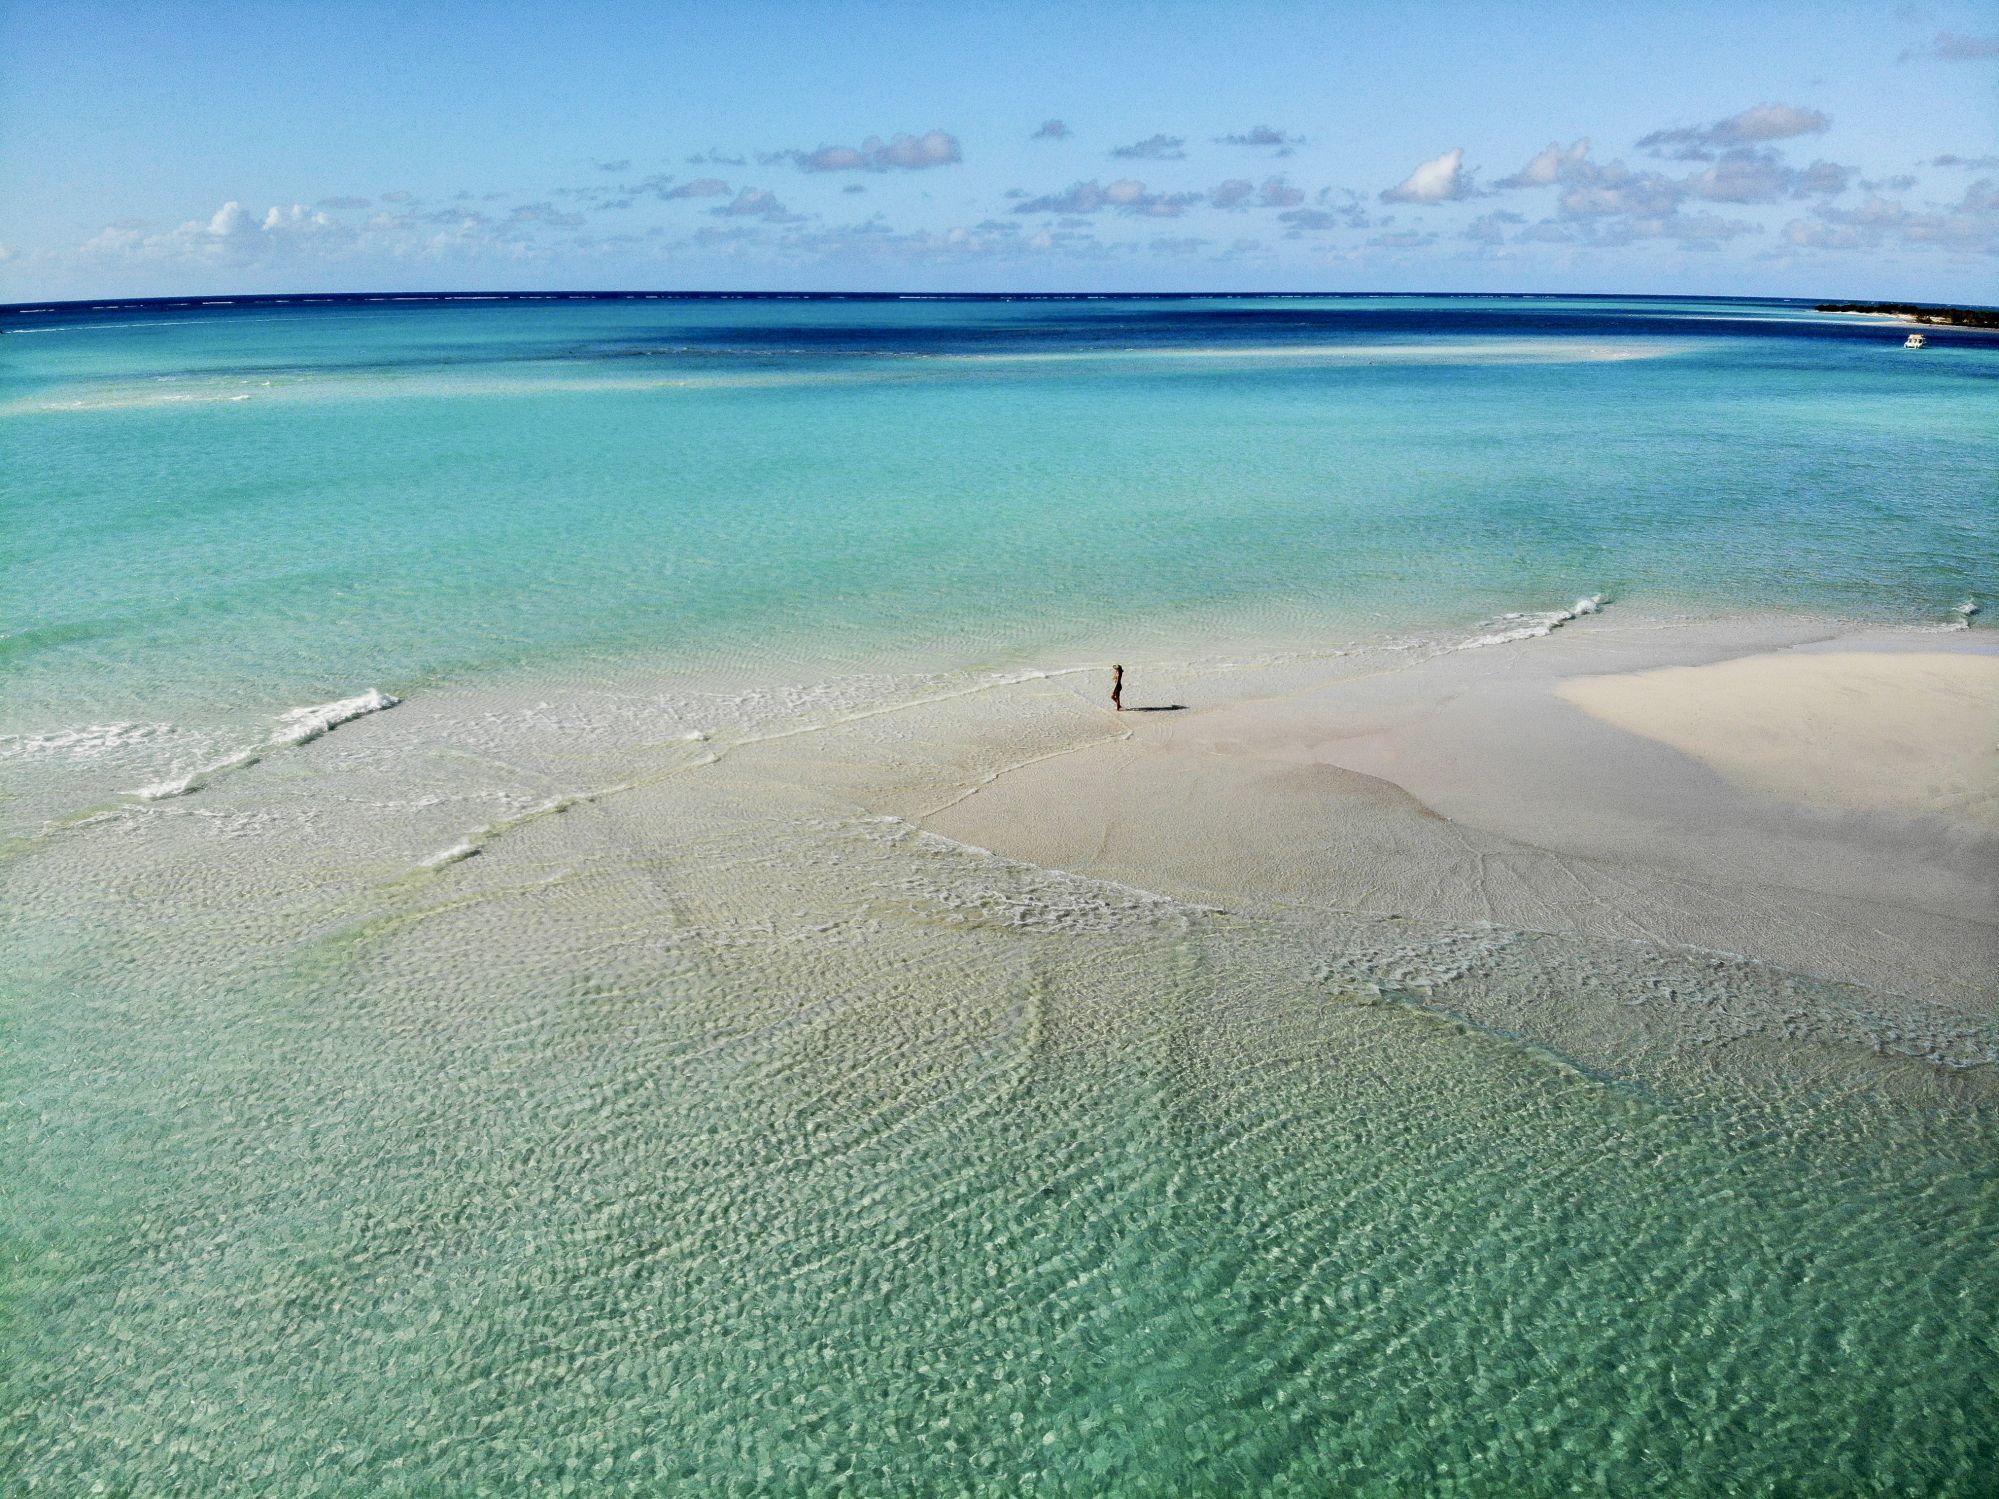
x=1437, y=780
x=62, y=768
x=1459, y=790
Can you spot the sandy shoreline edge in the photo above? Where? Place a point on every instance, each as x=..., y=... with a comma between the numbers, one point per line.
x=1823, y=804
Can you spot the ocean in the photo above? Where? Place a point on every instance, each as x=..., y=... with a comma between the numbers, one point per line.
x=481, y=1012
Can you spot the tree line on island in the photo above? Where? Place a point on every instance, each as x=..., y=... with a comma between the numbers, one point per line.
x=1950, y=317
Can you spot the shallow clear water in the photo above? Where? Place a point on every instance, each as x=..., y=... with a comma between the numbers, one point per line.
x=571, y=1076
x=259, y=507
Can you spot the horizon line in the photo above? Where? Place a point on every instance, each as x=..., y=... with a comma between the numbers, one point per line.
x=240, y=299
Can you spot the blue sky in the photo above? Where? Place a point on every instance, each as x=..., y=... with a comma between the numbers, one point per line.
x=1803, y=149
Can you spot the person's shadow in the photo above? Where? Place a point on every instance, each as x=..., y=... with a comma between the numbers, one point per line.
x=1160, y=708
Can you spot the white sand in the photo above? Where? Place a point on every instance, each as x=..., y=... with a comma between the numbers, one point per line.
x=1756, y=806
x=1903, y=731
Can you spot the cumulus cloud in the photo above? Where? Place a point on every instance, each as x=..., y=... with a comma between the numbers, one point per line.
x=1975, y=163
x=1490, y=228
x=1547, y=168
x=756, y=203
x=231, y=235
x=1263, y=137
x=1154, y=148
x=907, y=153
x=1950, y=46
x=1240, y=192
x=297, y=219
x=1968, y=226
x=1312, y=218
x=1753, y=126
x=1125, y=195
x=1441, y=179
x=1740, y=174
x=1613, y=189
x=1748, y=176
x=1609, y=204
x=668, y=189
x=545, y=213
x=1333, y=208
x=875, y=241
x=344, y=202
x=1052, y=130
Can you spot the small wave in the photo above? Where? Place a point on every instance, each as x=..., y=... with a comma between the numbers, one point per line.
x=86, y=743
x=302, y=725
x=1533, y=626
x=464, y=848
x=297, y=726
x=194, y=780
x=161, y=790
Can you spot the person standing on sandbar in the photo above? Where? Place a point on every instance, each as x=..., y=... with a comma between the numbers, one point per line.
x=1117, y=688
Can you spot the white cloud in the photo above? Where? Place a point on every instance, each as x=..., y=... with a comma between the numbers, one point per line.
x=1490, y=229
x=1154, y=148
x=1769, y=122
x=1753, y=126
x=1970, y=226
x=1240, y=192
x=1263, y=137
x=1549, y=166
x=231, y=221
x=909, y=153
x=1745, y=176
x=756, y=203
x=1125, y=195
x=235, y=236
x=1442, y=179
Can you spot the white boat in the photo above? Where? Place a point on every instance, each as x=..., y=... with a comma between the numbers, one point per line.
x=1913, y=341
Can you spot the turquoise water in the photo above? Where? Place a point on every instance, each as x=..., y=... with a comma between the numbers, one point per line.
x=573, y=1081
x=242, y=508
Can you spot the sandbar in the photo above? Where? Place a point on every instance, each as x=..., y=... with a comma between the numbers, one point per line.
x=1895, y=731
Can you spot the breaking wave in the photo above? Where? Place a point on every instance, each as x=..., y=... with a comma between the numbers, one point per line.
x=1532, y=626
x=296, y=726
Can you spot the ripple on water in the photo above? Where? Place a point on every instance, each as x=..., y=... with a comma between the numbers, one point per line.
x=718, y=1135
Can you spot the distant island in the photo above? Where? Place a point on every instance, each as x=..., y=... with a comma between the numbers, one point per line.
x=1953, y=317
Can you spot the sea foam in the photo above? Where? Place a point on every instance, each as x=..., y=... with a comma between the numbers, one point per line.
x=297, y=726
x=1533, y=626
x=302, y=725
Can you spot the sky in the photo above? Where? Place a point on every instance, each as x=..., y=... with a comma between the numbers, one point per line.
x=1818, y=149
